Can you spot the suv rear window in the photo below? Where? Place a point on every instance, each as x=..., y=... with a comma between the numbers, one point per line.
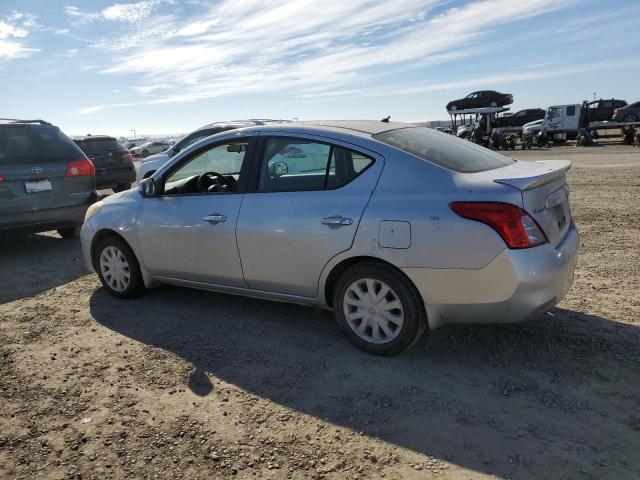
x=21, y=144
x=444, y=150
x=100, y=145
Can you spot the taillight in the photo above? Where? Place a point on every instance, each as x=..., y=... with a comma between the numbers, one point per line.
x=127, y=157
x=1, y=178
x=615, y=112
x=80, y=168
x=516, y=227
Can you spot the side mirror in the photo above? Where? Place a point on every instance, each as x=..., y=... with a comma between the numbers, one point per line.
x=147, y=188
x=278, y=169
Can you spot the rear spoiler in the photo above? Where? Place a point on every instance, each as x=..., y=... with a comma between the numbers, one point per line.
x=540, y=172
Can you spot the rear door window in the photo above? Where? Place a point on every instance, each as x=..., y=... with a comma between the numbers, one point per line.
x=23, y=144
x=448, y=152
x=291, y=164
x=571, y=111
x=92, y=147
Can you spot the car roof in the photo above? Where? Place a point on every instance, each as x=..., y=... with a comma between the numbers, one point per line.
x=89, y=138
x=362, y=128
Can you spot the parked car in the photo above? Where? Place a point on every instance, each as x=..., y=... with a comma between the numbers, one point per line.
x=601, y=110
x=46, y=181
x=149, y=148
x=149, y=165
x=481, y=99
x=395, y=227
x=113, y=162
x=518, y=119
x=628, y=113
x=136, y=142
x=465, y=130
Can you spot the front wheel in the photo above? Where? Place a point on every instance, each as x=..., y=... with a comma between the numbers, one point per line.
x=378, y=309
x=493, y=104
x=145, y=153
x=118, y=268
x=630, y=118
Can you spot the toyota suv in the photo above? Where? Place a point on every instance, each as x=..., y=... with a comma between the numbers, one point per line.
x=113, y=162
x=46, y=181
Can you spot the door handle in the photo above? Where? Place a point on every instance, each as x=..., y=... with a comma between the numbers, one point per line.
x=336, y=220
x=215, y=218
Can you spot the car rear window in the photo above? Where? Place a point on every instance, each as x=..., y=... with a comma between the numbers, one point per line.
x=444, y=150
x=99, y=145
x=21, y=144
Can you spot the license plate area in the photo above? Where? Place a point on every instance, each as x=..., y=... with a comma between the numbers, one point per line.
x=37, y=186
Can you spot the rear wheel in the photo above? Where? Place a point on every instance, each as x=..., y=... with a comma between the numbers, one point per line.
x=378, y=309
x=493, y=104
x=145, y=153
x=630, y=118
x=67, y=233
x=118, y=268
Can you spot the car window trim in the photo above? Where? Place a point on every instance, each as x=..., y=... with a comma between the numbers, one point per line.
x=244, y=171
x=258, y=158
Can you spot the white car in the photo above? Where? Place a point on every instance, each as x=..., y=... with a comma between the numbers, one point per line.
x=532, y=127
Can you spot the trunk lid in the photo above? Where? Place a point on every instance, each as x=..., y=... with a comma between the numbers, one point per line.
x=545, y=193
x=33, y=164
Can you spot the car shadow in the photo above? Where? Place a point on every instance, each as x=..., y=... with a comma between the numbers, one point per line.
x=550, y=397
x=30, y=264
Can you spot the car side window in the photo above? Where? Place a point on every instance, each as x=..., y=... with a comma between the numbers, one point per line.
x=571, y=111
x=291, y=164
x=224, y=160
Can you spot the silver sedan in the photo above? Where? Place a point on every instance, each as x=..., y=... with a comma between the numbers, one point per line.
x=396, y=228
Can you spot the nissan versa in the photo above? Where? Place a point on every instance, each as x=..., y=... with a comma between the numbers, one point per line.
x=395, y=227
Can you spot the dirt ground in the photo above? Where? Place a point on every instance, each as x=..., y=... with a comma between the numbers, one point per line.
x=188, y=384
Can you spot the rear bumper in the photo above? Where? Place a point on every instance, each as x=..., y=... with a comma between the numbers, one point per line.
x=111, y=178
x=512, y=287
x=48, y=219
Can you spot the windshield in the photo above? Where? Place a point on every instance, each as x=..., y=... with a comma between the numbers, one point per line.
x=444, y=150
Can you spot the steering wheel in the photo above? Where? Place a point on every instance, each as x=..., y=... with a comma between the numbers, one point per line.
x=213, y=182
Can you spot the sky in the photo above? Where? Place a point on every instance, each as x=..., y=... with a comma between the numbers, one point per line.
x=171, y=66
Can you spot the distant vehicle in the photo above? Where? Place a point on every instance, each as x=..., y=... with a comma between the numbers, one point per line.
x=46, y=181
x=129, y=144
x=113, y=162
x=465, y=130
x=481, y=99
x=149, y=148
x=628, y=113
x=562, y=122
x=532, y=127
x=520, y=118
x=601, y=110
x=233, y=214
x=149, y=165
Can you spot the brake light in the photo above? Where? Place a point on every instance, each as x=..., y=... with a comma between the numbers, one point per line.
x=80, y=168
x=127, y=157
x=516, y=227
x=1, y=178
x=615, y=112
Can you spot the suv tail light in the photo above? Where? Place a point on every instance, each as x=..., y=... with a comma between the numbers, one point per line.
x=1, y=178
x=80, y=168
x=517, y=228
x=127, y=157
x=615, y=112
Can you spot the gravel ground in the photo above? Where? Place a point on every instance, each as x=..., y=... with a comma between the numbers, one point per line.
x=187, y=384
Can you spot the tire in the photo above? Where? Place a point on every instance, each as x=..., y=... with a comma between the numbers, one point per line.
x=630, y=118
x=493, y=104
x=409, y=319
x=145, y=153
x=116, y=249
x=68, y=233
x=121, y=187
x=454, y=108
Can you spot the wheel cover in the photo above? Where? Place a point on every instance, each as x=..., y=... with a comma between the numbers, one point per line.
x=373, y=310
x=115, y=269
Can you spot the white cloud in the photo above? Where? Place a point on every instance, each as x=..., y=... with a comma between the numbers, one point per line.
x=13, y=29
x=69, y=53
x=118, y=12
x=305, y=47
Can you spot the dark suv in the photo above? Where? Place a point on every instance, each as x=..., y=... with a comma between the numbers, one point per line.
x=46, y=181
x=601, y=110
x=113, y=162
